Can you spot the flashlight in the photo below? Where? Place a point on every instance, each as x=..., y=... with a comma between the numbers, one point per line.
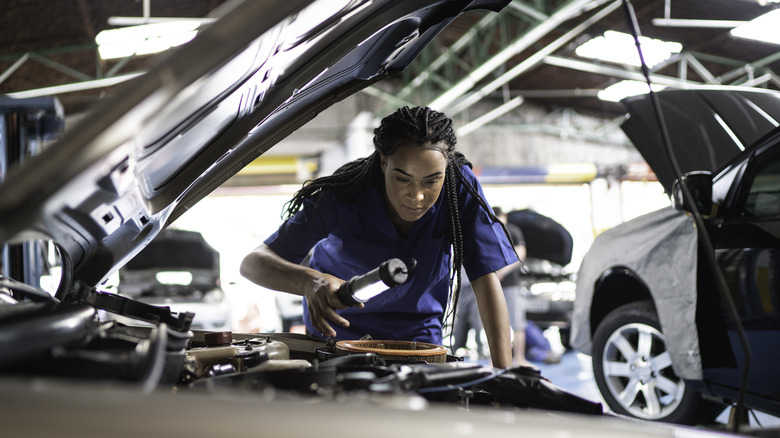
x=362, y=288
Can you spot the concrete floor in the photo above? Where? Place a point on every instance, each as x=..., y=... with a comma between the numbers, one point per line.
x=574, y=374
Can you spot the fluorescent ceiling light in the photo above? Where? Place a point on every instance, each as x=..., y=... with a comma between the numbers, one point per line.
x=620, y=48
x=136, y=21
x=145, y=39
x=763, y=28
x=616, y=92
x=685, y=22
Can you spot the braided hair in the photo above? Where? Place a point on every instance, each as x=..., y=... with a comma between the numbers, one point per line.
x=429, y=129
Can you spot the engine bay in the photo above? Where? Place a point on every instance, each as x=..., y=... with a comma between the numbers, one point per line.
x=42, y=339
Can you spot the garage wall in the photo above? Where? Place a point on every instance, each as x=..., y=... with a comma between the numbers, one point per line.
x=529, y=136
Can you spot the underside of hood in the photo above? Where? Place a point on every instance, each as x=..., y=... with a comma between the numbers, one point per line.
x=165, y=140
x=707, y=127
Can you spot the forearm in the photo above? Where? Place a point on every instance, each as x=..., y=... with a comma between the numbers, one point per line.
x=265, y=268
x=495, y=318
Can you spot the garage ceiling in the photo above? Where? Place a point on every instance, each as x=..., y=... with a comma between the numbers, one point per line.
x=523, y=54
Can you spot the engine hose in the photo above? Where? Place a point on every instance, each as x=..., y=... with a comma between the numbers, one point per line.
x=29, y=338
x=67, y=273
x=154, y=362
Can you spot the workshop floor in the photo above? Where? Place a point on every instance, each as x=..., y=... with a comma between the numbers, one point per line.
x=574, y=374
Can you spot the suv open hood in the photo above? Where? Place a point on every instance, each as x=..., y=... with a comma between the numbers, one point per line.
x=707, y=127
x=166, y=139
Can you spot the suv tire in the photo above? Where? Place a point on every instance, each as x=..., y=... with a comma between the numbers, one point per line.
x=633, y=370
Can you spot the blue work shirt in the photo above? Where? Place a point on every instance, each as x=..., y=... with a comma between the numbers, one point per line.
x=352, y=238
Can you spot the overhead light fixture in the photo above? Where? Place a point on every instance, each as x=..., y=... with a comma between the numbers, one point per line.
x=620, y=48
x=762, y=28
x=705, y=24
x=145, y=39
x=137, y=21
x=622, y=89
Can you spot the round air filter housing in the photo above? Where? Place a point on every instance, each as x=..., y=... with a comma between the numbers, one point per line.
x=396, y=350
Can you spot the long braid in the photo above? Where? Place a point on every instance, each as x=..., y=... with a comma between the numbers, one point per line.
x=429, y=129
x=456, y=235
x=454, y=171
x=349, y=181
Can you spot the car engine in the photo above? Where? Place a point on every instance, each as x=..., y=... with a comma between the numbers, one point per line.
x=42, y=338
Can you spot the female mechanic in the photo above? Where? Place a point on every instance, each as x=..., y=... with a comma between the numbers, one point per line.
x=414, y=197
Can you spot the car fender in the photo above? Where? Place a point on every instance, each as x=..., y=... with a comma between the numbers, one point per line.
x=615, y=287
x=655, y=252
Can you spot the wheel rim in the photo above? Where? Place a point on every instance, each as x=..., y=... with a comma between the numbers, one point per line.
x=638, y=371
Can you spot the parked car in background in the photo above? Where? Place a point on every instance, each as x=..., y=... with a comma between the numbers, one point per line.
x=181, y=271
x=549, y=287
x=662, y=341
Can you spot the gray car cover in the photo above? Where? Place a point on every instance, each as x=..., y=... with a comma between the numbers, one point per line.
x=660, y=247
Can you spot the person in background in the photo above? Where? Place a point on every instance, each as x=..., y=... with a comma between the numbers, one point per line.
x=537, y=347
x=511, y=278
x=526, y=334
x=467, y=320
x=414, y=197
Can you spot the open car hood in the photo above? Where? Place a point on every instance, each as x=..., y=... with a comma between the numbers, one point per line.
x=166, y=139
x=707, y=127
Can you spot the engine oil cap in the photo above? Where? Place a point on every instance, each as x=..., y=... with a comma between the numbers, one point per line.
x=215, y=339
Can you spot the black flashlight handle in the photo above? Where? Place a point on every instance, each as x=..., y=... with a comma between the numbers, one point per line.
x=392, y=272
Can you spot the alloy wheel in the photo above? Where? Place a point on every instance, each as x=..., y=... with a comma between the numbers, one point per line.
x=638, y=371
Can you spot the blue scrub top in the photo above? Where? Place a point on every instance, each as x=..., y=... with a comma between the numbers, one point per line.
x=352, y=238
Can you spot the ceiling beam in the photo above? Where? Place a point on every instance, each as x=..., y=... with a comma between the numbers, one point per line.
x=699, y=68
x=528, y=10
x=533, y=60
x=570, y=10
x=490, y=116
x=72, y=87
x=60, y=67
x=448, y=55
x=617, y=72
x=390, y=98
x=749, y=67
x=15, y=66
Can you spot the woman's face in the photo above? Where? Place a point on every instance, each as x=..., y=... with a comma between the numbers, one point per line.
x=414, y=177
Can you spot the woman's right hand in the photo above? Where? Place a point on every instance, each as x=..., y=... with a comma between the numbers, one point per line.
x=323, y=302
x=264, y=267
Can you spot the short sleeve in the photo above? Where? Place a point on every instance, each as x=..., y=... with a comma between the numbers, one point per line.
x=298, y=235
x=485, y=246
